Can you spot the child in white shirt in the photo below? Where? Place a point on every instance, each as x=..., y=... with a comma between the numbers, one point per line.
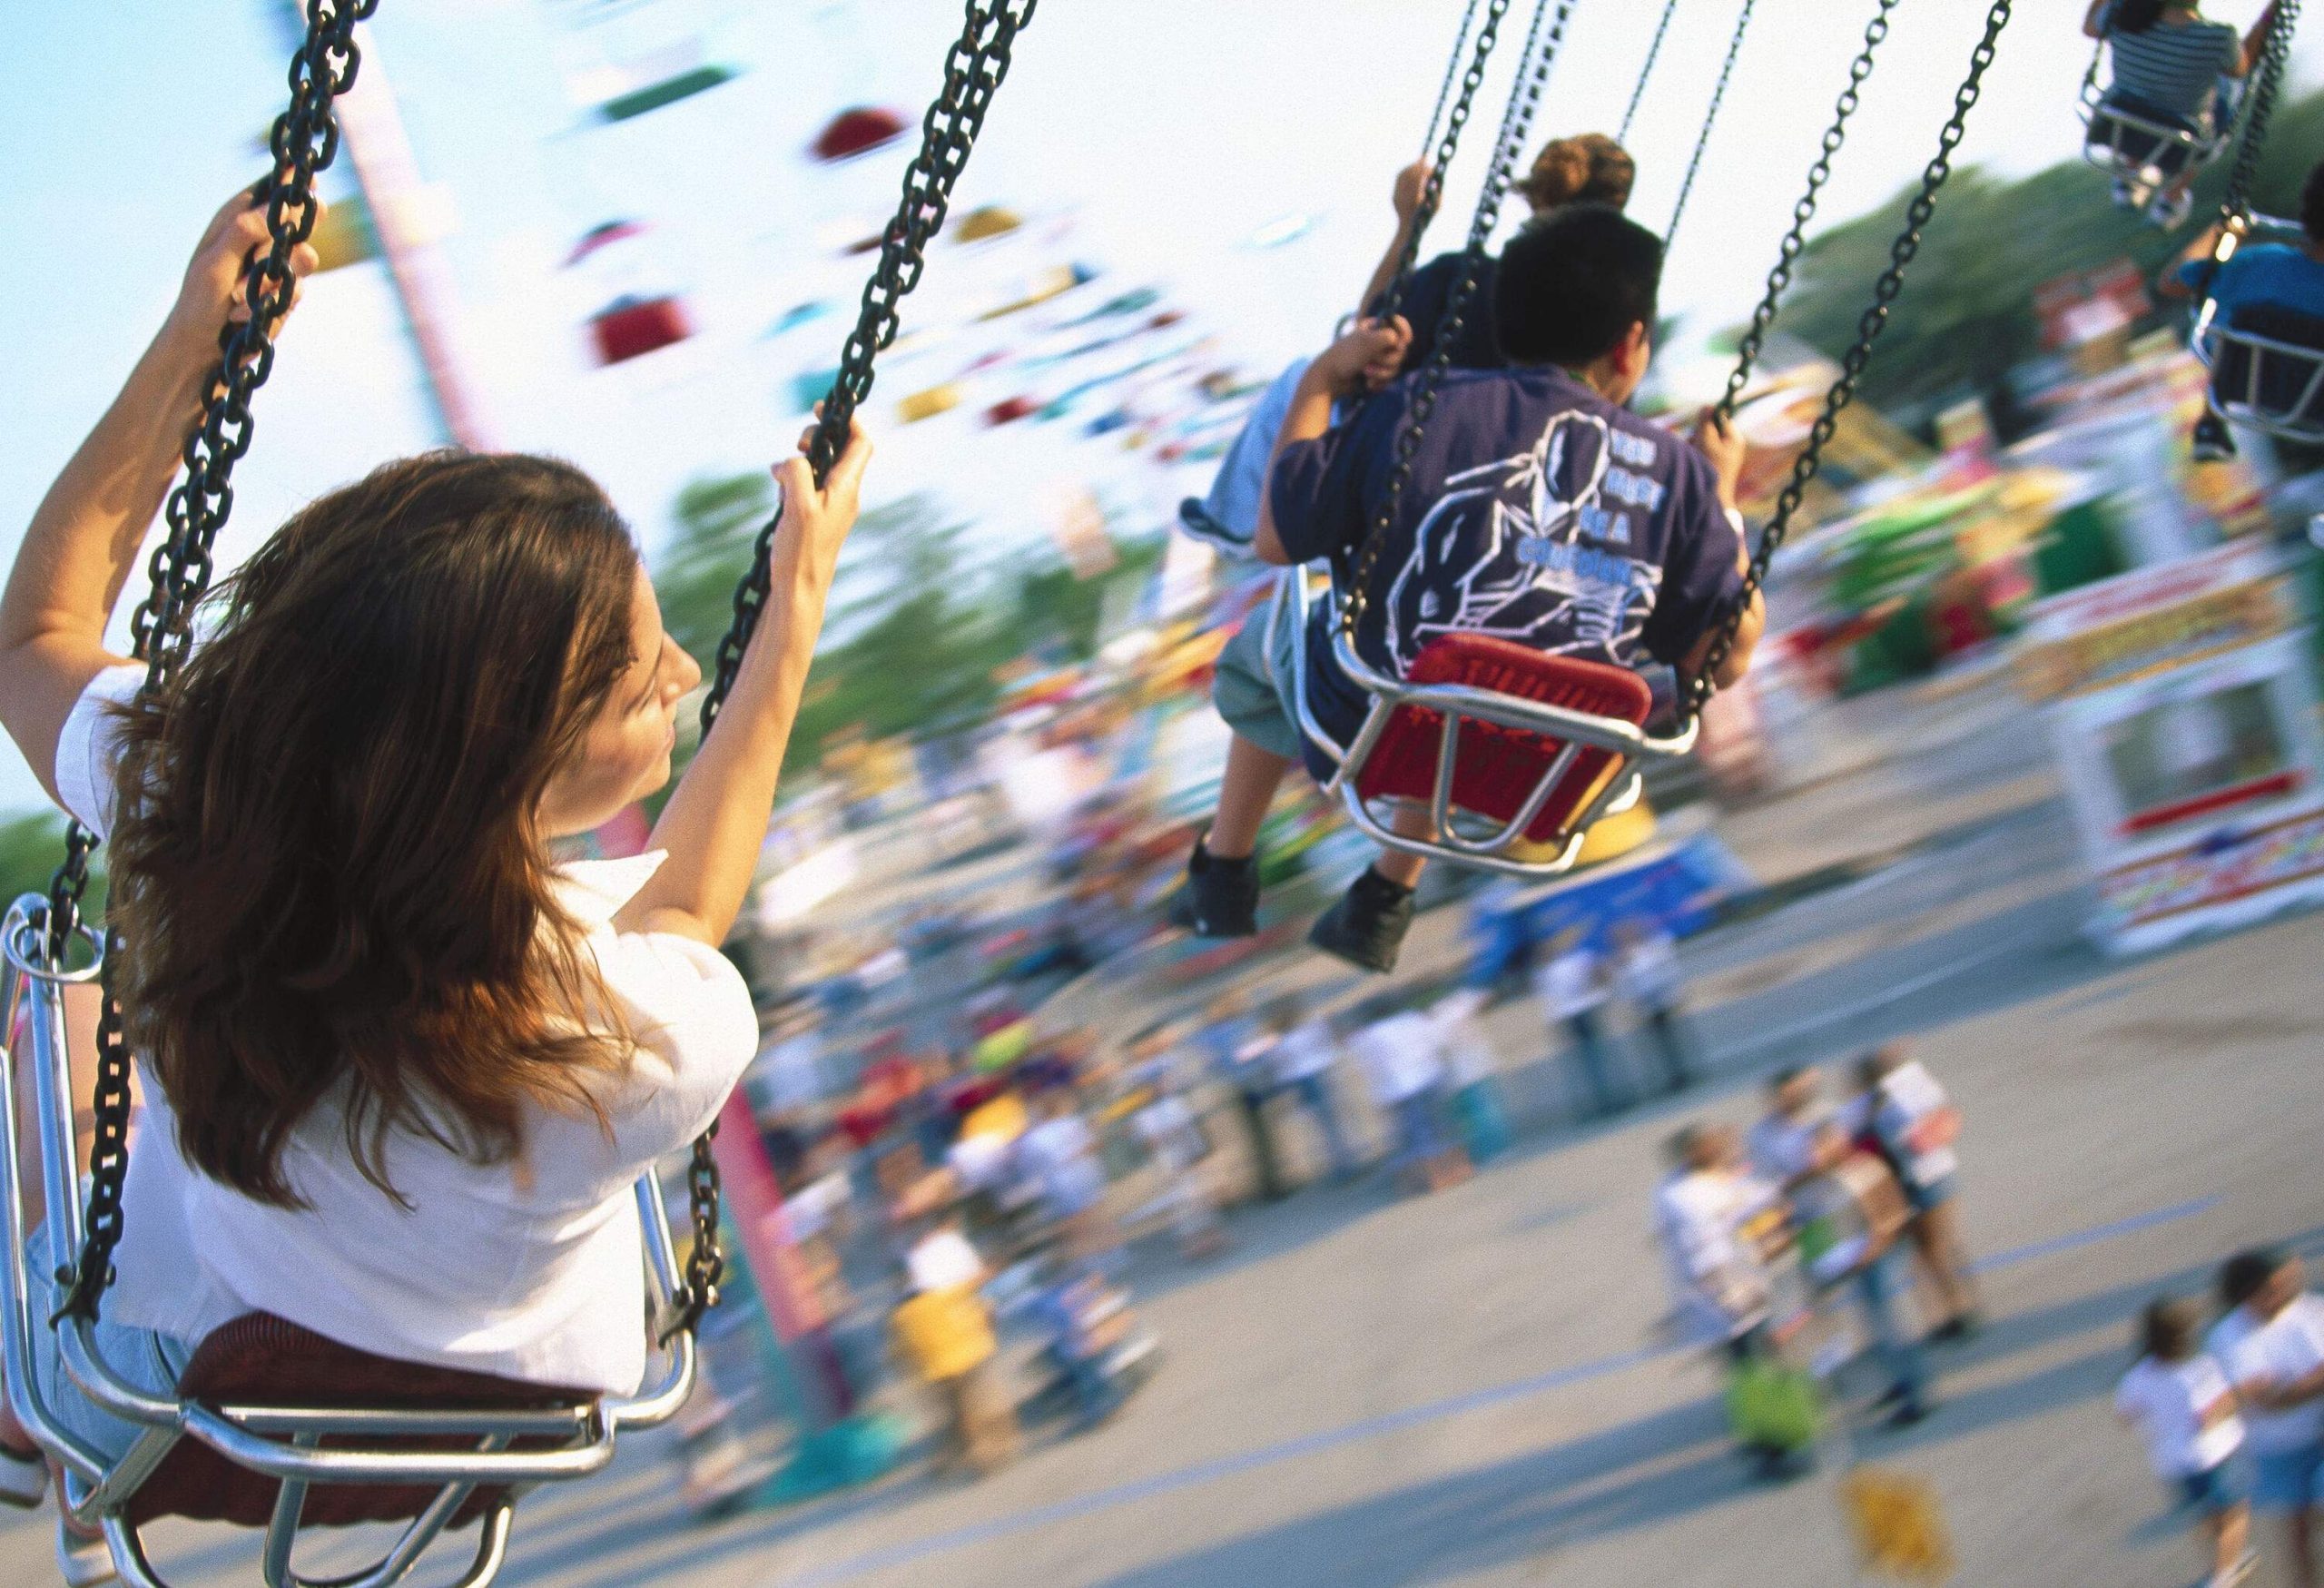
x=2179, y=1401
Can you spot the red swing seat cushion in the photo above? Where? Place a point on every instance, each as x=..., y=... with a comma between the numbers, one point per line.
x=259, y=1359
x=1498, y=767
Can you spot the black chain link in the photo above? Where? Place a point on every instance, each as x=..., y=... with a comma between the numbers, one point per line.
x=1451, y=76
x=1710, y=119
x=974, y=69
x=1802, y=213
x=304, y=142
x=2235, y=206
x=1516, y=124
x=1448, y=144
x=1645, y=72
x=1804, y=469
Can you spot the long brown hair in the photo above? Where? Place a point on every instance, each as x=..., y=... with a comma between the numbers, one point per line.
x=1591, y=169
x=327, y=864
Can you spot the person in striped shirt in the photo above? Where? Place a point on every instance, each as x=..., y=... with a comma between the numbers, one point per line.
x=2173, y=68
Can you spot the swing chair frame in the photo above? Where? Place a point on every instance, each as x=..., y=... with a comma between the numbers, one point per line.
x=279, y=1441
x=1619, y=786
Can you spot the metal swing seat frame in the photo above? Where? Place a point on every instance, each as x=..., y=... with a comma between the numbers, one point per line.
x=2114, y=155
x=1464, y=836
x=284, y=1443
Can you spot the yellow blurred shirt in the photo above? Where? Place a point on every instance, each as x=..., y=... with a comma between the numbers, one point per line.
x=944, y=1334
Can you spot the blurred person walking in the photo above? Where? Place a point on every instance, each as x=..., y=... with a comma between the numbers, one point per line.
x=1909, y=1120
x=2273, y=1345
x=1173, y=1138
x=2179, y=1401
x=1472, y=1071
x=1242, y=1054
x=1307, y=1052
x=1398, y=1051
x=1571, y=981
x=944, y=1335
x=1852, y=1215
x=1059, y=1156
x=1646, y=971
x=1720, y=1289
x=1783, y=1142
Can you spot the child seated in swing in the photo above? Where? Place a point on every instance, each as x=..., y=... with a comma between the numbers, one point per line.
x=400, y=1068
x=2274, y=290
x=2172, y=68
x=1538, y=510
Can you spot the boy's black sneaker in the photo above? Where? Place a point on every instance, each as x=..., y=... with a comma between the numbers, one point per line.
x=1366, y=926
x=1221, y=897
x=2213, y=441
x=1197, y=521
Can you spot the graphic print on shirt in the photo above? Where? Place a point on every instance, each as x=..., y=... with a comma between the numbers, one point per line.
x=1535, y=549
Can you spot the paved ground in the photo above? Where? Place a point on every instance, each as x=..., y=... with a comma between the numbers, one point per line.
x=1467, y=1389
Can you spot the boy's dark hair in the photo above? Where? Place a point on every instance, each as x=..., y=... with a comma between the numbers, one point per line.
x=2133, y=15
x=2246, y=1274
x=2311, y=203
x=2168, y=1327
x=1573, y=283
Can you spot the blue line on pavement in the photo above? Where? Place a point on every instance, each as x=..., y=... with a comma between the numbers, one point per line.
x=1205, y=1472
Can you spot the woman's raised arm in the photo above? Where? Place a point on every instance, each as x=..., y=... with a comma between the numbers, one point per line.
x=715, y=822
x=82, y=542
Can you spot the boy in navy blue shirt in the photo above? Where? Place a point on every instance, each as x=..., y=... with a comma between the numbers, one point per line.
x=1538, y=510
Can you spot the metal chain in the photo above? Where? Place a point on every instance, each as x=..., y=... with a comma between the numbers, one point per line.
x=1710, y=119
x=974, y=68
x=1804, y=212
x=1526, y=97
x=2235, y=206
x=1451, y=76
x=1875, y=319
x=1645, y=72
x=1448, y=144
x=304, y=142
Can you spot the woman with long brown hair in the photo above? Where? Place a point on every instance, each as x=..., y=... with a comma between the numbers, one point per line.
x=399, y=1067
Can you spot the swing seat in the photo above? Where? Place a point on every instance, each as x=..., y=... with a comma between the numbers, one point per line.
x=259, y=1359
x=1497, y=768
x=634, y=328
x=2139, y=144
x=1505, y=745
x=2267, y=367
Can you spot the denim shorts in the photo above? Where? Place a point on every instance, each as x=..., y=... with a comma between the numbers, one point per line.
x=2287, y=1480
x=147, y=1359
x=1251, y=685
x=1936, y=1194
x=2212, y=1492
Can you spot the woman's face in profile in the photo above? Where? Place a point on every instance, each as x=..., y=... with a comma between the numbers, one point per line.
x=624, y=756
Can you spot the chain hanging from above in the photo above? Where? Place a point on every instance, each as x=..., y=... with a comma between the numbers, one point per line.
x=1755, y=335
x=1645, y=72
x=1448, y=144
x=1452, y=77
x=1810, y=462
x=2259, y=107
x=1710, y=119
x=974, y=68
x=304, y=142
x=1542, y=41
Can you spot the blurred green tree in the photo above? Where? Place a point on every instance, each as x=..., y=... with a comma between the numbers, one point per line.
x=1966, y=314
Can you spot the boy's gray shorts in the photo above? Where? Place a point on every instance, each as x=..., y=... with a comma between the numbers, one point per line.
x=1251, y=685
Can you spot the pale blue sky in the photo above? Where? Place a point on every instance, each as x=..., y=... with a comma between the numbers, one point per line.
x=1165, y=132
